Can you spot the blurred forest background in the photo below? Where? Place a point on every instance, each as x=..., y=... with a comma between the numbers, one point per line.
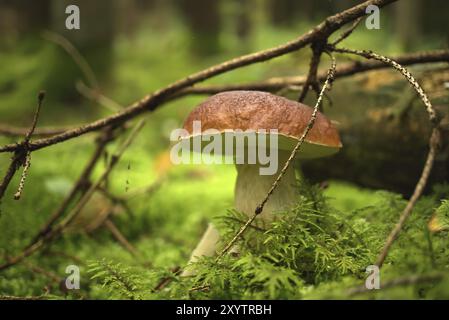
x=135, y=47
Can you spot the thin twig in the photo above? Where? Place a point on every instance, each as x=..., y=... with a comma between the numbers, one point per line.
x=93, y=91
x=26, y=141
x=79, y=185
x=7, y=297
x=75, y=54
x=22, y=155
x=260, y=207
x=120, y=237
x=113, y=161
x=36, y=269
x=273, y=84
x=154, y=100
x=12, y=168
x=204, y=287
x=165, y=281
x=343, y=70
x=26, y=167
x=401, y=69
x=347, y=32
x=257, y=228
x=96, y=96
x=58, y=230
x=13, y=131
x=312, y=81
x=40, y=99
x=435, y=141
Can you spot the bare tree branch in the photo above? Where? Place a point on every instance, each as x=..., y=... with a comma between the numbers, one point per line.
x=81, y=183
x=312, y=79
x=58, y=230
x=95, y=95
x=154, y=100
x=347, y=32
x=434, y=143
x=343, y=70
x=12, y=131
x=120, y=237
x=22, y=155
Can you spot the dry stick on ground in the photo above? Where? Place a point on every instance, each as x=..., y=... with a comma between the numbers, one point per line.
x=82, y=182
x=58, y=230
x=259, y=208
x=103, y=140
x=22, y=155
x=110, y=225
x=154, y=100
x=434, y=142
x=119, y=202
x=120, y=237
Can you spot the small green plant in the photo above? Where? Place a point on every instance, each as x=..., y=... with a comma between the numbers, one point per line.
x=311, y=251
x=120, y=281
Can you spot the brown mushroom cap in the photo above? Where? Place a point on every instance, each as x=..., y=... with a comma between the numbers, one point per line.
x=256, y=110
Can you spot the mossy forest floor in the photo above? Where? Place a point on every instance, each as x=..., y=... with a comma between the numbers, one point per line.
x=319, y=250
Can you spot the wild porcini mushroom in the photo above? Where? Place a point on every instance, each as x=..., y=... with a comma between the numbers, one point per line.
x=237, y=113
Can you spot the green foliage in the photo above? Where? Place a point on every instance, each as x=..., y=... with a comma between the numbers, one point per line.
x=316, y=251
x=305, y=246
x=319, y=249
x=120, y=281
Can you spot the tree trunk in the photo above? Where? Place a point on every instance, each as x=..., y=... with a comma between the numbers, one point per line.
x=384, y=151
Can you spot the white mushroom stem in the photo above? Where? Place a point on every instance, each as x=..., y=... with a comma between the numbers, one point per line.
x=205, y=248
x=250, y=189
